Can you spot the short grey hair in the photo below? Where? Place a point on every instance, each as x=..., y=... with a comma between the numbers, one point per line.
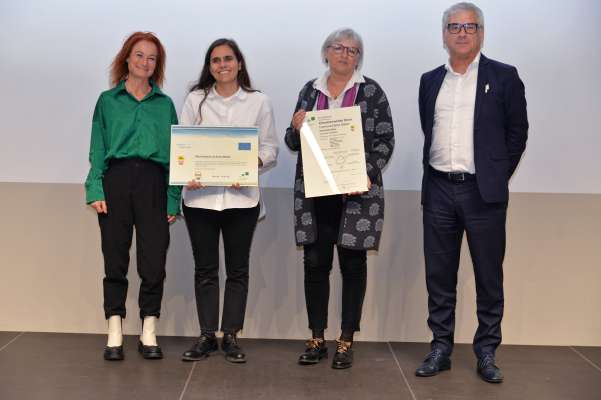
x=464, y=6
x=346, y=33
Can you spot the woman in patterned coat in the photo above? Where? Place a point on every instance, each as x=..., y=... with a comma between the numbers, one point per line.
x=353, y=222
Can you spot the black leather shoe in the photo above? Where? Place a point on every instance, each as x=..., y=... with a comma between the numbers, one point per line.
x=150, y=352
x=113, y=353
x=231, y=348
x=315, y=351
x=435, y=362
x=201, y=349
x=344, y=355
x=487, y=370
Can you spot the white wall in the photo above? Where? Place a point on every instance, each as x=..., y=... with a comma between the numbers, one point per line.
x=52, y=272
x=54, y=59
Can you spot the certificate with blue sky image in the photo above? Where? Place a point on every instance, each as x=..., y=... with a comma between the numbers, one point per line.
x=214, y=155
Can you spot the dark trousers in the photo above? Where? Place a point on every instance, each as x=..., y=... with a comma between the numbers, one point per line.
x=318, y=258
x=237, y=226
x=449, y=210
x=135, y=194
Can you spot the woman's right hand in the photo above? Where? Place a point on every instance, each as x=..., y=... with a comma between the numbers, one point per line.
x=99, y=206
x=193, y=185
x=297, y=119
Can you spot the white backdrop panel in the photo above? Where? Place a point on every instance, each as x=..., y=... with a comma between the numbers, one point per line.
x=55, y=57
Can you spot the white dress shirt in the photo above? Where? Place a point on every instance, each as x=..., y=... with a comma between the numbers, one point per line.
x=241, y=109
x=321, y=84
x=452, y=148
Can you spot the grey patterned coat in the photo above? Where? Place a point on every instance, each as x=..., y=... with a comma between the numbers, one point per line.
x=363, y=215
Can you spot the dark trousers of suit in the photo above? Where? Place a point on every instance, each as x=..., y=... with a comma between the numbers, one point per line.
x=449, y=210
x=318, y=259
x=237, y=226
x=135, y=194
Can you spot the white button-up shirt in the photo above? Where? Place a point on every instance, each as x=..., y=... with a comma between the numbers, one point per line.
x=241, y=109
x=452, y=148
x=321, y=84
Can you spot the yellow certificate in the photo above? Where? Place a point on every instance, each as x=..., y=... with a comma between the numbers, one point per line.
x=214, y=156
x=333, y=152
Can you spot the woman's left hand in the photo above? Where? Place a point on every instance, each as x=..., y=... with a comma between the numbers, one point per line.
x=171, y=218
x=358, y=193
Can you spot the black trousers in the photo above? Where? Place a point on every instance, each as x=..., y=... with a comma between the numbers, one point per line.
x=237, y=226
x=449, y=210
x=318, y=258
x=135, y=194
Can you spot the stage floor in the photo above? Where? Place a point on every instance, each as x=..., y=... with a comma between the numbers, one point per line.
x=70, y=366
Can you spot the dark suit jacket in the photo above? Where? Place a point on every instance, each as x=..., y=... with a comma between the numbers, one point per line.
x=500, y=125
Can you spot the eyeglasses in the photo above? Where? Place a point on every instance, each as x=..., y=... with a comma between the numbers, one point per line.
x=339, y=49
x=470, y=28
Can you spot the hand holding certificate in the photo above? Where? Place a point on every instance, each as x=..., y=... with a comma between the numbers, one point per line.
x=214, y=156
x=333, y=152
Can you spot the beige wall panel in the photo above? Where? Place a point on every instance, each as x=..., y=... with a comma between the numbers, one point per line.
x=52, y=269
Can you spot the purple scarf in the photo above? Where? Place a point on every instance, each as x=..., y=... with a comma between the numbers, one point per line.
x=347, y=101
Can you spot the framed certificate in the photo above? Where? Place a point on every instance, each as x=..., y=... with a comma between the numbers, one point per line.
x=333, y=152
x=214, y=156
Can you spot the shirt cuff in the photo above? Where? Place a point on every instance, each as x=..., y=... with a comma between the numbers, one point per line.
x=173, y=206
x=94, y=193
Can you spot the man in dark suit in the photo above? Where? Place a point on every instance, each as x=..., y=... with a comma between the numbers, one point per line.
x=473, y=116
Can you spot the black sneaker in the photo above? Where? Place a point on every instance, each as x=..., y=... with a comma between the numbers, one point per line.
x=201, y=349
x=315, y=351
x=344, y=355
x=231, y=348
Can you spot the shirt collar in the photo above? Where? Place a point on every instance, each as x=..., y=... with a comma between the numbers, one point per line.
x=154, y=89
x=239, y=95
x=321, y=84
x=473, y=65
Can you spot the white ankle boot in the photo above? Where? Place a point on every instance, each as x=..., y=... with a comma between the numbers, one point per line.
x=115, y=332
x=148, y=337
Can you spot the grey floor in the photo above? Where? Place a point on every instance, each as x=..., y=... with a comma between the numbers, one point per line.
x=70, y=366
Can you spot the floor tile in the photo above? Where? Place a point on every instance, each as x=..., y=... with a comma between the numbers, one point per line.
x=70, y=366
x=593, y=354
x=272, y=372
x=6, y=337
x=531, y=372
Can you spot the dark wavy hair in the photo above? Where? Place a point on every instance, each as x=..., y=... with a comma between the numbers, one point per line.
x=206, y=80
x=119, y=68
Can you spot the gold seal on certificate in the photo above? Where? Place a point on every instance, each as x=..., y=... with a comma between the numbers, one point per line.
x=333, y=152
x=214, y=156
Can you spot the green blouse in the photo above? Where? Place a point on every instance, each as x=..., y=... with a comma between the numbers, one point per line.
x=124, y=127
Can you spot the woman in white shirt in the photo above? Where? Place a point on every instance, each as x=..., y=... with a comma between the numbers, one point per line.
x=223, y=95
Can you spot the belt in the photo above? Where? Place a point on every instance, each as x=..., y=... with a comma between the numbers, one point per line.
x=455, y=177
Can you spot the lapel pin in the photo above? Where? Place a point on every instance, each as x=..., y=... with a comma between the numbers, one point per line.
x=486, y=88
